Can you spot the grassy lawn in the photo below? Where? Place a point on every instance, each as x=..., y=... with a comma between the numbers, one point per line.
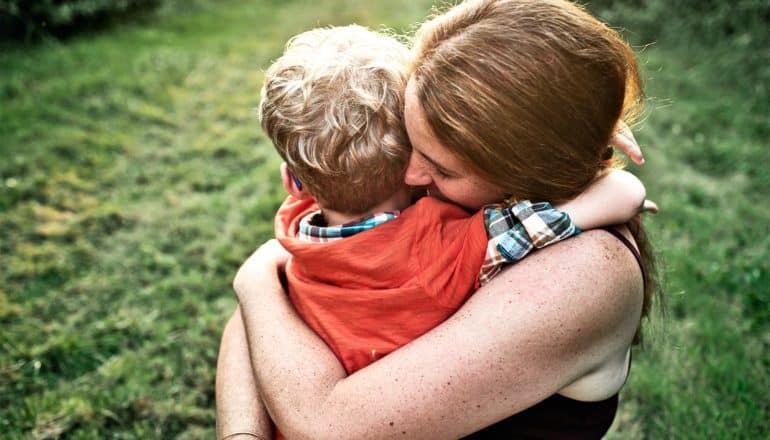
x=134, y=180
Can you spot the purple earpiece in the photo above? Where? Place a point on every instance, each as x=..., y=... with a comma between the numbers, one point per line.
x=296, y=181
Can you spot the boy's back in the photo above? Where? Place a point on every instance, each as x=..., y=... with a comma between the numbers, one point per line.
x=373, y=291
x=370, y=293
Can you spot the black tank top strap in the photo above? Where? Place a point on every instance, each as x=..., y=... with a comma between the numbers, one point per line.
x=627, y=243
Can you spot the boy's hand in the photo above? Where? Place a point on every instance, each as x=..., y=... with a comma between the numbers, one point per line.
x=649, y=206
x=623, y=140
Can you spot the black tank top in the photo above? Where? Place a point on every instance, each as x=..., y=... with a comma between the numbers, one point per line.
x=556, y=417
x=559, y=417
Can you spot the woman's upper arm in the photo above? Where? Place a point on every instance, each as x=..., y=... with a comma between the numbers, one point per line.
x=535, y=329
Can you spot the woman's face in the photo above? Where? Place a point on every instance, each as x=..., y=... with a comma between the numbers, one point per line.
x=437, y=168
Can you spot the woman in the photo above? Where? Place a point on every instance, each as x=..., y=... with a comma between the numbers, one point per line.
x=507, y=98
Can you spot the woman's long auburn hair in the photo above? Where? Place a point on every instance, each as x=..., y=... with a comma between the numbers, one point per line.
x=527, y=93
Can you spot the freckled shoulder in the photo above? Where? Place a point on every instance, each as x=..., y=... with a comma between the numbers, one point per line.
x=583, y=296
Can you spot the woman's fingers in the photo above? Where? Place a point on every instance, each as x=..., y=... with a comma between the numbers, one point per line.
x=275, y=252
x=623, y=140
x=271, y=256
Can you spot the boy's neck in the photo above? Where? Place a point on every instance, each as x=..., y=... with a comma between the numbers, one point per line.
x=399, y=201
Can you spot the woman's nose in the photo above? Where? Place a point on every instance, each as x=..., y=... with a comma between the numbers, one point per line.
x=416, y=173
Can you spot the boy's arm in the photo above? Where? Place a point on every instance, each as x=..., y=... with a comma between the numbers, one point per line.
x=514, y=230
x=612, y=199
x=240, y=411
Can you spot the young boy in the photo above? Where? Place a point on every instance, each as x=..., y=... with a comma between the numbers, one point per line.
x=369, y=272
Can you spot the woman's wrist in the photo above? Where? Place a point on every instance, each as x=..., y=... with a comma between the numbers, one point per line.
x=245, y=435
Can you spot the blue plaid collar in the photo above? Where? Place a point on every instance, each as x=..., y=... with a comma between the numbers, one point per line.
x=311, y=227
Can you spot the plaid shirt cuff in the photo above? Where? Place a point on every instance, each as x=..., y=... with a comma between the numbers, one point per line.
x=514, y=230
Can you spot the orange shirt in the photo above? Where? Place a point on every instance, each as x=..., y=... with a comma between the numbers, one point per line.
x=369, y=294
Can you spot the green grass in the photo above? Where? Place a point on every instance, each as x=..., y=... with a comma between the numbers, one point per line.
x=134, y=180
x=703, y=373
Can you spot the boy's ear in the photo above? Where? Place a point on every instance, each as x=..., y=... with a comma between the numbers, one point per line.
x=292, y=184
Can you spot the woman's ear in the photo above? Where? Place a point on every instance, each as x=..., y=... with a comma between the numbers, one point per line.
x=292, y=184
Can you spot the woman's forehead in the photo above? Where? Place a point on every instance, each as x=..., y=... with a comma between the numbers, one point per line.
x=424, y=140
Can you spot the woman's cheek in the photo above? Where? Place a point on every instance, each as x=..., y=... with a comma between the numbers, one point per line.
x=474, y=195
x=460, y=193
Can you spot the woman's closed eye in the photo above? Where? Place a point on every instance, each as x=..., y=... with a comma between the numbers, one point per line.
x=442, y=173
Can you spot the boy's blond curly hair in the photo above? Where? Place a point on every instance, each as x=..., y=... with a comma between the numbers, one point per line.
x=332, y=105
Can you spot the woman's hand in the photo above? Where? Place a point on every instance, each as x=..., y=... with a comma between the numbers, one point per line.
x=623, y=140
x=270, y=258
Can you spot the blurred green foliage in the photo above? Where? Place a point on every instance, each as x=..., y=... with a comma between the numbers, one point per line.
x=705, y=21
x=134, y=179
x=25, y=20
x=706, y=66
x=736, y=34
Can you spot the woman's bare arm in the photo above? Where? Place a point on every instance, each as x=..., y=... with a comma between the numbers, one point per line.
x=240, y=412
x=538, y=327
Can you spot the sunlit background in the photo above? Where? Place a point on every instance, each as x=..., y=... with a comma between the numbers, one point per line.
x=134, y=179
